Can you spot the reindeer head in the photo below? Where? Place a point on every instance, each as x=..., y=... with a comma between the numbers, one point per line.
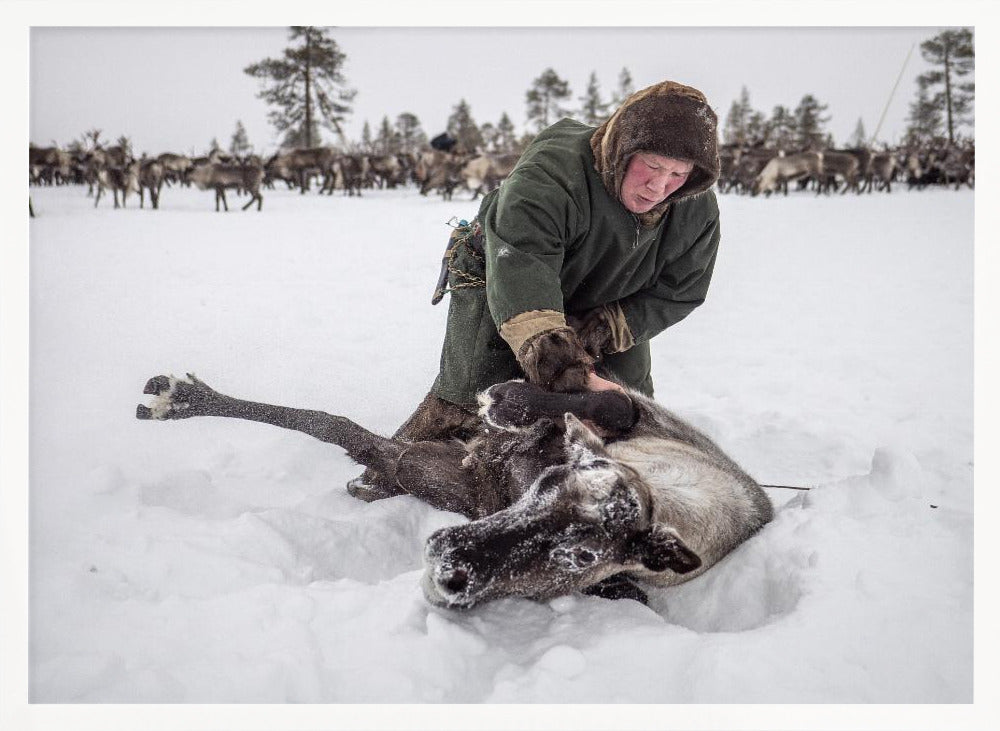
x=580, y=522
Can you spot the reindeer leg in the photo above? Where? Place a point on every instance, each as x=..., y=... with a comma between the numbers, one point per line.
x=253, y=197
x=182, y=399
x=617, y=586
x=435, y=473
x=514, y=405
x=430, y=471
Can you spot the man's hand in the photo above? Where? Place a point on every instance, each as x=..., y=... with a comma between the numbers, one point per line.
x=593, y=327
x=596, y=383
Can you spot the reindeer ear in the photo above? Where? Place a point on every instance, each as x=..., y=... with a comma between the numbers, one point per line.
x=659, y=548
x=581, y=441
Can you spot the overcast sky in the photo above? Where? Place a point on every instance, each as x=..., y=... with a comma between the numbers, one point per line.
x=176, y=88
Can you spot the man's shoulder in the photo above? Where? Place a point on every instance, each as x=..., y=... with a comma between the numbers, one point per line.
x=561, y=154
x=567, y=136
x=695, y=213
x=704, y=205
x=567, y=127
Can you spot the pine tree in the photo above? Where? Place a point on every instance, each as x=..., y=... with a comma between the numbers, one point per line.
x=463, y=127
x=783, y=129
x=858, y=138
x=925, y=120
x=239, y=145
x=506, y=135
x=543, y=99
x=758, y=129
x=809, y=121
x=735, y=131
x=411, y=136
x=387, y=140
x=953, y=54
x=214, y=146
x=306, y=85
x=624, y=90
x=593, y=111
x=367, y=145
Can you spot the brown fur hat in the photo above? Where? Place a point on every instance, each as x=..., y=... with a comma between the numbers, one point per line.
x=668, y=119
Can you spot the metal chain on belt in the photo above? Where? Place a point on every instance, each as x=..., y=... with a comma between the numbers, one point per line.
x=464, y=236
x=466, y=279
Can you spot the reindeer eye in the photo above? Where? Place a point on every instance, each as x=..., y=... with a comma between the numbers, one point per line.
x=621, y=512
x=585, y=557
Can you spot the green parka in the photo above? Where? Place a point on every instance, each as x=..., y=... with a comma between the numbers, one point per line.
x=558, y=241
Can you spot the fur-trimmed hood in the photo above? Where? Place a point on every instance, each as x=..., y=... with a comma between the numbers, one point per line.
x=668, y=119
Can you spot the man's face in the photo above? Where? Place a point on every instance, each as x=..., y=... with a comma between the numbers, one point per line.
x=650, y=178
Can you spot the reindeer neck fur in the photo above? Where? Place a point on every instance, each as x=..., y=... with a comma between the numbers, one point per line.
x=504, y=463
x=693, y=486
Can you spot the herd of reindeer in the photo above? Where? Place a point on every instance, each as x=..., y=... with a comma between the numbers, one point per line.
x=114, y=170
x=760, y=170
x=744, y=170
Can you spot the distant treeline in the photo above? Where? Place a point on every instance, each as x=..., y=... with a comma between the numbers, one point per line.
x=306, y=90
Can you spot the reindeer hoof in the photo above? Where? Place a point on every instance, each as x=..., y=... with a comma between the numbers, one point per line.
x=157, y=385
x=361, y=490
x=164, y=405
x=175, y=398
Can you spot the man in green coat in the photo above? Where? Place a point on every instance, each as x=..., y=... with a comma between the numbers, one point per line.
x=598, y=240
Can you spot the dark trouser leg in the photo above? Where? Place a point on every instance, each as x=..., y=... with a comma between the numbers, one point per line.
x=434, y=420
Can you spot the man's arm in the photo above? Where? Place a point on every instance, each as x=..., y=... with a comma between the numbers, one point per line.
x=680, y=288
x=526, y=235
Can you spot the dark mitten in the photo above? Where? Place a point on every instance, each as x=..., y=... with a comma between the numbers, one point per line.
x=603, y=329
x=556, y=360
x=593, y=328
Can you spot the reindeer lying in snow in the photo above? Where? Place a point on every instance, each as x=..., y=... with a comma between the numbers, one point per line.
x=554, y=507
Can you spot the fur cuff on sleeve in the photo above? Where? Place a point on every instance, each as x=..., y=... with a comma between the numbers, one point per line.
x=621, y=334
x=556, y=360
x=521, y=328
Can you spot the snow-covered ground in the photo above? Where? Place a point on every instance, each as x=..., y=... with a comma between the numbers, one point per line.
x=223, y=561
